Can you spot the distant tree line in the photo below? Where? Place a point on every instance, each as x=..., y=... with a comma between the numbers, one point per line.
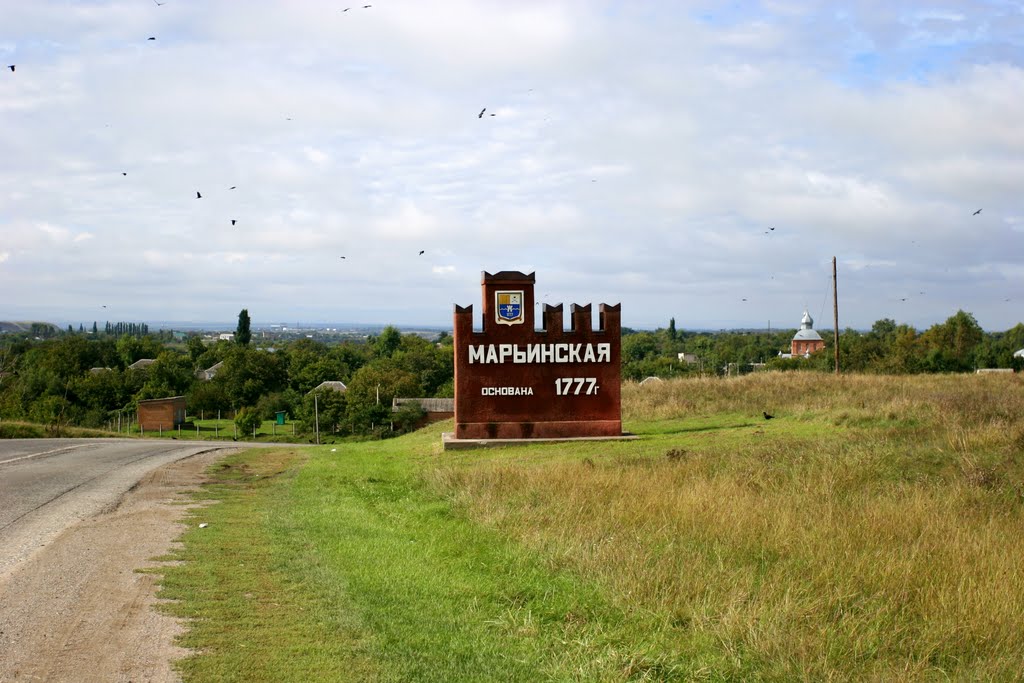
x=956, y=345
x=85, y=380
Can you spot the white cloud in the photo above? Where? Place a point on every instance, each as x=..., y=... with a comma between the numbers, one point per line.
x=638, y=152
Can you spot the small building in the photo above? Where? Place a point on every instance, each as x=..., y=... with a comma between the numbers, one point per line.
x=226, y=336
x=806, y=341
x=161, y=413
x=98, y=370
x=688, y=358
x=141, y=364
x=650, y=380
x=331, y=385
x=434, y=409
x=210, y=372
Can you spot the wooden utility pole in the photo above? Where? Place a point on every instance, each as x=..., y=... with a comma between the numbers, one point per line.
x=835, y=311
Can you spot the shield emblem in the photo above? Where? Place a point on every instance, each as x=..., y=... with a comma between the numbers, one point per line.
x=509, y=307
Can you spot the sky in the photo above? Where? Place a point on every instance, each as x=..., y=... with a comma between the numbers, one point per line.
x=702, y=161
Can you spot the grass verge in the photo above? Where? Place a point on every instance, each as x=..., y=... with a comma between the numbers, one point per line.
x=869, y=532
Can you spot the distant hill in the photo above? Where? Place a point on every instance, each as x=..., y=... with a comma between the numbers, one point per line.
x=13, y=326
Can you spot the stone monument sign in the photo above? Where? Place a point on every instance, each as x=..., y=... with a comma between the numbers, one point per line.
x=516, y=381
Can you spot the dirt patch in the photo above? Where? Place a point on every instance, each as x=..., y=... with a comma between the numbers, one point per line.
x=80, y=611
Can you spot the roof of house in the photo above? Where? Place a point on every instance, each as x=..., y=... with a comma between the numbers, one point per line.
x=160, y=400
x=333, y=385
x=141, y=363
x=430, y=405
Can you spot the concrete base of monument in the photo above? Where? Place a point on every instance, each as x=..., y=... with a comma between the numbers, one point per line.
x=450, y=443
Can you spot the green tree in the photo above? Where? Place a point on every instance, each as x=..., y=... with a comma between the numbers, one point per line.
x=248, y=419
x=371, y=391
x=196, y=348
x=387, y=343
x=242, y=333
x=248, y=373
x=949, y=347
x=170, y=375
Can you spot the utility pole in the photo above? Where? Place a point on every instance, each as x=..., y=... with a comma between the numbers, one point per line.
x=835, y=310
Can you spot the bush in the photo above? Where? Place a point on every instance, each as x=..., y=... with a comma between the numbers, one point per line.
x=247, y=420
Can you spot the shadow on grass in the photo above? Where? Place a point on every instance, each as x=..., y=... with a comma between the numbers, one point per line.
x=681, y=429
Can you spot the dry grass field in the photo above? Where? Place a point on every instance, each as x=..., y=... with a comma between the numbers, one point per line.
x=871, y=531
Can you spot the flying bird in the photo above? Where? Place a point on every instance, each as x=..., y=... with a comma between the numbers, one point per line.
x=422, y=251
x=160, y=4
x=342, y=258
x=123, y=173
x=346, y=9
x=973, y=214
x=771, y=228
x=233, y=187
x=11, y=67
x=367, y=6
x=233, y=221
x=198, y=196
x=479, y=116
x=151, y=38
x=767, y=416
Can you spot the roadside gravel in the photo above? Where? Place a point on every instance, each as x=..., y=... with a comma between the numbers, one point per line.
x=78, y=609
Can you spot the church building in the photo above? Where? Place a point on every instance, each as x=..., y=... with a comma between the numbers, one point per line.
x=806, y=341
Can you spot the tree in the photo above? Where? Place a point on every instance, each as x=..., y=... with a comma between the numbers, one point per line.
x=196, y=348
x=371, y=390
x=388, y=342
x=248, y=373
x=95, y=330
x=672, y=329
x=242, y=334
x=248, y=420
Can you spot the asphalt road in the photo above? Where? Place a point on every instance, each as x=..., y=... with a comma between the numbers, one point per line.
x=48, y=485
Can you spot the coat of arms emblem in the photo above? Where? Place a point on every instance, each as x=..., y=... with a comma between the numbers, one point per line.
x=509, y=307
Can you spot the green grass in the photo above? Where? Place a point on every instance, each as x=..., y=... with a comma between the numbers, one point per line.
x=344, y=567
x=224, y=430
x=870, y=532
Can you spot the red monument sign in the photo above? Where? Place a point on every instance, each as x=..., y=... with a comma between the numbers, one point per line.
x=513, y=381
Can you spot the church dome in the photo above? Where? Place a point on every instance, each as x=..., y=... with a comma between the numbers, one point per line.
x=806, y=331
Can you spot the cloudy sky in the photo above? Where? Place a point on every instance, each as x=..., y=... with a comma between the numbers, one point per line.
x=697, y=160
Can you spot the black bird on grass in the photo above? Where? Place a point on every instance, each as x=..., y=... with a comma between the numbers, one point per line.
x=976, y=212
x=767, y=416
